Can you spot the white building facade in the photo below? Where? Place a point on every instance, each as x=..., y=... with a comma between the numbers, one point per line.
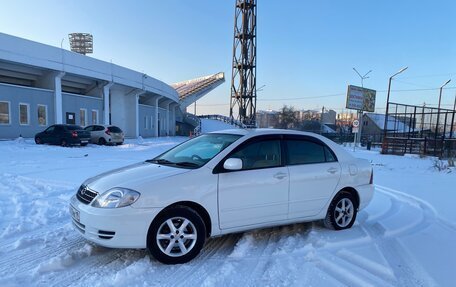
x=41, y=85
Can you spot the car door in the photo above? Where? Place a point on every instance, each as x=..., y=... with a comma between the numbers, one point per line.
x=258, y=193
x=314, y=174
x=57, y=135
x=98, y=132
x=47, y=134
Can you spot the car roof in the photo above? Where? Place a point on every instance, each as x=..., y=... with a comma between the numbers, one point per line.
x=260, y=131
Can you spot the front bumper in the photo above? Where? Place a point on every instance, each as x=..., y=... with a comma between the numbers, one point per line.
x=124, y=227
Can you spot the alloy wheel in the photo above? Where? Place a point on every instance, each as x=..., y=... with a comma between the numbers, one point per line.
x=176, y=236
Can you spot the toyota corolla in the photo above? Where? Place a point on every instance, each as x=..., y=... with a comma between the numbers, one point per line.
x=219, y=183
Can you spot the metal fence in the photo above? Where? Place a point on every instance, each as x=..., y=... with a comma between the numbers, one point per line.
x=420, y=130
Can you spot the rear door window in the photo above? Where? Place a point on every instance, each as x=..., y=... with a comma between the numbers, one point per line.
x=114, y=129
x=305, y=152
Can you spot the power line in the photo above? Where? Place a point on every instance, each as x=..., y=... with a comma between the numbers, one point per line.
x=332, y=95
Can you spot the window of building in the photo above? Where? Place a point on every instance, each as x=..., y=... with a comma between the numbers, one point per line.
x=94, y=117
x=5, y=113
x=24, y=114
x=42, y=115
x=145, y=122
x=82, y=117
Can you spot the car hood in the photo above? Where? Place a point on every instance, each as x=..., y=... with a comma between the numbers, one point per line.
x=132, y=176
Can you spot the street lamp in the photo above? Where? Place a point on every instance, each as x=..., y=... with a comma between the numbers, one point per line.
x=360, y=113
x=362, y=77
x=387, y=103
x=438, y=110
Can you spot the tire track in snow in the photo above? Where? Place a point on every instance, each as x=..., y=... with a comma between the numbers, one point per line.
x=207, y=262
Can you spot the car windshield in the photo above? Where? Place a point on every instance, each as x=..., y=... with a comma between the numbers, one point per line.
x=196, y=152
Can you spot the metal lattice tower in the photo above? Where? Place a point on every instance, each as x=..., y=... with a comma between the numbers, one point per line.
x=243, y=79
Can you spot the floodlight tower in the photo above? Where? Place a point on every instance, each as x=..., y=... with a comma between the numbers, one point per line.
x=243, y=79
x=81, y=43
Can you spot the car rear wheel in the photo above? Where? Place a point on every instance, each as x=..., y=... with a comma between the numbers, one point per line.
x=38, y=140
x=341, y=212
x=101, y=141
x=176, y=236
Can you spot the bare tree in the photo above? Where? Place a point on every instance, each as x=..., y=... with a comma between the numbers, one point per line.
x=287, y=117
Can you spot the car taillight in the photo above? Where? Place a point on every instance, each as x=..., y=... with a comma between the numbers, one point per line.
x=371, y=181
x=108, y=132
x=74, y=134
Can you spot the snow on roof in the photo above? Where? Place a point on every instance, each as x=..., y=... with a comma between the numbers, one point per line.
x=394, y=124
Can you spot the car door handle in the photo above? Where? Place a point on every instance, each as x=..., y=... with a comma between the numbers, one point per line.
x=332, y=170
x=280, y=175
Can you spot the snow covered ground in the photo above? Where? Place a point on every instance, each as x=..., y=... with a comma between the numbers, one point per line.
x=404, y=238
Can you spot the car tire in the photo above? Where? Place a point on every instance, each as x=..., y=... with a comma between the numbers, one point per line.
x=83, y=144
x=101, y=141
x=38, y=140
x=64, y=143
x=121, y=143
x=342, y=211
x=176, y=235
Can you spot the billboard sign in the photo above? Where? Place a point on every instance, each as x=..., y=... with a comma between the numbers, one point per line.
x=361, y=99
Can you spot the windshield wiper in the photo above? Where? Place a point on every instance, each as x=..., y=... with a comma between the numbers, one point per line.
x=187, y=163
x=160, y=161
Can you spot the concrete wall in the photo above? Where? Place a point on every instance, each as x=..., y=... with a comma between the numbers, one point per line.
x=146, y=121
x=31, y=96
x=123, y=112
x=74, y=103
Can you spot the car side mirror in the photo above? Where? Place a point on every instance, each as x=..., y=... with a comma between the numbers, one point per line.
x=233, y=164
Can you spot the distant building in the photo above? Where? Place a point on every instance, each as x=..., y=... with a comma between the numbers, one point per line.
x=373, y=126
x=328, y=117
x=267, y=119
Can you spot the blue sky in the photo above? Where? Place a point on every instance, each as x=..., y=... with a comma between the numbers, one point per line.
x=306, y=49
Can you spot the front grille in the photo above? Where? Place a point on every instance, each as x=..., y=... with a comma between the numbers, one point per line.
x=85, y=195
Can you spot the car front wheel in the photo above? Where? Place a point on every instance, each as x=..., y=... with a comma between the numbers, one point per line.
x=38, y=140
x=341, y=212
x=176, y=236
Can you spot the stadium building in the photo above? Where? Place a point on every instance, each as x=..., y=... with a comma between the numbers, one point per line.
x=41, y=85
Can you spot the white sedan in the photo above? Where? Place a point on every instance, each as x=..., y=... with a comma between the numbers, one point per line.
x=219, y=183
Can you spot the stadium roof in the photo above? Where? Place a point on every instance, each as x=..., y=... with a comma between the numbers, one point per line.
x=192, y=90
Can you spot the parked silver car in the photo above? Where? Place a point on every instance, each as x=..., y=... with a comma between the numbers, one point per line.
x=105, y=134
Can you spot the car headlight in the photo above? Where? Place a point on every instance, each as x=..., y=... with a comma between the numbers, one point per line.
x=116, y=197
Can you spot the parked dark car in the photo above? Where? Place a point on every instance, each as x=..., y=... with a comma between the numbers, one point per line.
x=63, y=135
